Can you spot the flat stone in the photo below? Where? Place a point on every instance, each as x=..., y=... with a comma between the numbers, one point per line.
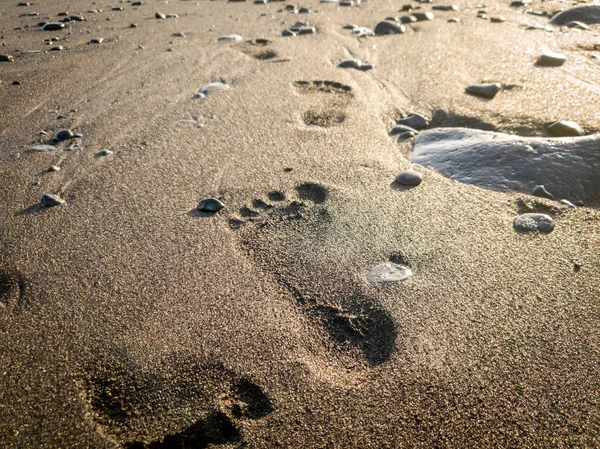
x=97, y=40
x=159, y=15
x=53, y=26
x=499, y=19
x=210, y=87
x=287, y=33
x=567, y=203
x=63, y=134
x=408, y=19
x=520, y=3
x=484, y=90
x=387, y=27
x=402, y=137
x=565, y=128
x=415, y=121
x=508, y=162
x=388, y=273
x=210, y=205
x=51, y=200
x=350, y=26
x=588, y=14
x=355, y=64
x=304, y=11
x=230, y=37
x=53, y=168
x=42, y=148
x=445, y=7
x=423, y=16
x=409, y=178
x=551, y=59
x=399, y=129
x=6, y=58
x=541, y=192
x=77, y=18
x=104, y=152
x=57, y=48
x=541, y=223
x=577, y=25
x=172, y=16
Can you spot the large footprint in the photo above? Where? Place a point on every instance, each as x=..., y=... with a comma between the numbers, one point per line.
x=332, y=100
x=354, y=323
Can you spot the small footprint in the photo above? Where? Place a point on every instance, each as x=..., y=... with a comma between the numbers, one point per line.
x=329, y=110
x=355, y=321
x=257, y=48
x=13, y=291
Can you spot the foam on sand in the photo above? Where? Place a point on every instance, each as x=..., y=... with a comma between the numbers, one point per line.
x=568, y=167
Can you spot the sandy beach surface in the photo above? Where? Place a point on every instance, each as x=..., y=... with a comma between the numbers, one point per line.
x=131, y=319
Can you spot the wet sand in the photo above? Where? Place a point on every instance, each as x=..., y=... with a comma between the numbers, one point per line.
x=131, y=320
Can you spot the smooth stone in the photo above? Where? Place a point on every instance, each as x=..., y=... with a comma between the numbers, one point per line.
x=587, y=14
x=362, y=31
x=484, y=90
x=210, y=205
x=92, y=11
x=387, y=27
x=350, y=26
x=423, y=16
x=98, y=40
x=50, y=200
x=159, y=15
x=42, y=148
x=577, y=25
x=117, y=8
x=407, y=8
x=355, y=64
x=409, y=178
x=53, y=168
x=287, y=33
x=104, y=152
x=57, y=48
x=257, y=2
x=520, y=3
x=210, y=87
x=77, y=18
x=178, y=35
x=402, y=137
x=565, y=128
x=387, y=273
x=567, y=203
x=230, y=37
x=454, y=20
x=172, y=16
x=53, y=26
x=137, y=3
x=542, y=223
x=551, y=59
x=415, y=121
x=307, y=30
x=508, y=162
x=32, y=14
x=399, y=129
x=6, y=58
x=63, y=134
x=498, y=19
x=445, y=7
x=408, y=19
x=541, y=192
x=304, y=11
x=17, y=83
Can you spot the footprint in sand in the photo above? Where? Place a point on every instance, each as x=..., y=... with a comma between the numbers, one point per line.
x=126, y=401
x=258, y=49
x=331, y=100
x=13, y=291
x=272, y=230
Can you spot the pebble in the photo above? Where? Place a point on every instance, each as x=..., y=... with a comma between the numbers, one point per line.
x=409, y=178
x=287, y=33
x=160, y=15
x=454, y=20
x=42, y=148
x=53, y=26
x=63, y=134
x=306, y=30
x=53, y=168
x=408, y=19
x=304, y=11
x=587, y=14
x=17, y=83
x=178, y=35
x=57, y=48
x=567, y=203
x=415, y=121
x=104, y=152
x=534, y=223
x=117, y=8
x=565, y=128
x=362, y=31
x=210, y=205
x=50, y=200
x=97, y=40
x=137, y=3
x=387, y=27
x=406, y=135
x=484, y=90
x=577, y=25
x=407, y=8
x=77, y=18
x=355, y=64
x=387, y=273
x=210, y=87
x=520, y=3
x=551, y=59
x=6, y=58
x=423, y=16
x=499, y=19
x=350, y=26
x=541, y=192
x=445, y=7
x=172, y=16
x=92, y=11
x=230, y=37
x=399, y=129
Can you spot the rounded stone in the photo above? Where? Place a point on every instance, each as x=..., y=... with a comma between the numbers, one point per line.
x=399, y=129
x=415, y=121
x=484, y=90
x=409, y=178
x=551, y=59
x=53, y=168
x=6, y=58
x=387, y=273
x=104, y=152
x=210, y=205
x=387, y=27
x=532, y=222
x=50, y=200
x=53, y=26
x=565, y=128
x=160, y=15
x=63, y=134
x=423, y=16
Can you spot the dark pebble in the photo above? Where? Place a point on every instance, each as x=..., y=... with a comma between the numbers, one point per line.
x=423, y=16
x=484, y=90
x=63, y=134
x=160, y=15
x=50, y=200
x=534, y=223
x=551, y=59
x=6, y=58
x=210, y=205
x=409, y=178
x=387, y=27
x=540, y=191
x=53, y=26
